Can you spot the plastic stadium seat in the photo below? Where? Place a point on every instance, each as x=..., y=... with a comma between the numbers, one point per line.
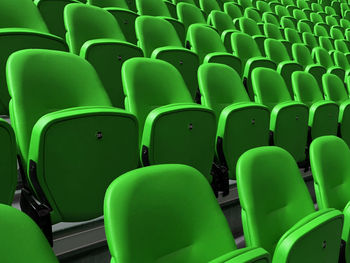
x=72, y=138
x=248, y=51
x=282, y=11
x=263, y=7
x=207, y=44
x=288, y=118
x=52, y=13
x=223, y=23
x=341, y=61
x=344, y=23
x=110, y=3
x=342, y=46
x=334, y=90
x=232, y=10
x=158, y=39
x=301, y=54
x=288, y=22
x=279, y=220
x=270, y=18
x=245, y=3
x=292, y=35
x=277, y=52
x=189, y=14
x=320, y=30
x=172, y=128
x=252, y=13
x=331, y=21
x=209, y=5
x=250, y=27
x=316, y=18
x=21, y=239
x=180, y=226
x=94, y=34
x=324, y=59
x=310, y=40
x=159, y=8
x=326, y=44
x=303, y=27
x=323, y=115
x=329, y=159
x=242, y=124
x=336, y=33
x=22, y=27
x=8, y=163
x=192, y=2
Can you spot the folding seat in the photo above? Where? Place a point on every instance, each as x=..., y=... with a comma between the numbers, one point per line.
x=192, y=2
x=282, y=11
x=73, y=137
x=292, y=35
x=288, y=22
x=110, y=3
x=22, y=27
x=341, y=61
x=310, y=40
x=159, y=40
x=189, y=14
x=8, y=163
x=223, y=23
x=330, y=11
x=302, y=5
x=21, y=239
x=323, y=115
x=289, y=119
x=270, y=18
x=302, y=27
x=180, y=227
x=263, y=7
x=209, y=5
x=343, y=8
x=326, y=43
x=173, y=129
x=316, y=7
x=336, y=6
x=252, y=13
x=331, y=21
x=103, y=45
x=279, y=220
x=333, y=88
x=300, y=15
x=329, y=158
x=159, y=8
x=342, y=46
x=336, y=33
x=232, y=10
x=250, y=27
x=320, y=30
x=324, y=59
x=247, y=50
x=344, y=23
x=301, y=55
x=316, y=18
x=245, y=3
x=242, y=124
x=274, y=32
x=285, y=66
x=52, y=13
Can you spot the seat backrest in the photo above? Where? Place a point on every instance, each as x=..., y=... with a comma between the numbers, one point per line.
x=249, y=26
x=292, y=35
x=204, y=40
x=341, y=60
x=84, y=22
x=322, y=56
x=272, y=31
x=320, y=30
x=330, y=164
x=232, y=10
x=245, y=3
x=299, y=14
x=64, y=80
x=263, y=7
x=326, y=43
x=109, y=3
x=276, y=51
x=152, y=8
x=209, y=5
x=286, y=22
x=316, y=7
x=150, y=83
x=344, y=23
x=333, y=88
x=252, y=13
x=281, y=11
x=316, y=18
x=244, y=47
x=267, y=180
x=220, y=86
x=303, y=27
x=221, y=21
x=302, y=4
x=27, y=238
x=341, y=46
x=270, y=18
x=331, y=21
x=180, y=226
x=154, y=32
x=305, y=88
x=189, y=14
x=336, y=33
x=310, y=40
x=301, y=54
x=21, y=14
x=269, y=87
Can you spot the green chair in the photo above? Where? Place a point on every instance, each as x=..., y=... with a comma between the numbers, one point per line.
x=270, y=18
x=207, y=44
x=8, y=163
x=288, y=22
x=310, y=40
x=250, y=27
x=334, y=90
x=336, y=33
x=320, y=30
x=242, y=124
x=326, y=44
x=332, y=21
x=21, y=239
x=68, y=135
x=252, y=13
x=180, y=226
x=341, y=61
x=323, y=115
x=344, y=23
x=247, y=50
x=122, y=4
x=289, y=119
x=303, y=27
x=292, y=35
x=232, y=10
x=278, y=53
x=263, y=7
x=223, y=23
x=159, y=8
x=316, y=18
x=94, y=34
x=301, y=55
x=329, y=159
x=274, y=32
x=209, y=5
x=245, y=3
x=172, y=128
x=22, y=27
x=342, y=46
x=158, y=39
x=189, y=14
x=278, y=213
x=322, y=57
x=52, y=13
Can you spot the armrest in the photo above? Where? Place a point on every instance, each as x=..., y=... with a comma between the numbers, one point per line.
x=226, y=38
x=318, y=234
x=346, y=227
x=225, y=58
x=244, y=255
x=162, y=50
x=257, y=62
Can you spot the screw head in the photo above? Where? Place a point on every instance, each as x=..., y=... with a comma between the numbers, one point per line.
x=190, y=126
x=119, y=57
x=125, y=22
x=99, y=135
x=181, y=62
x=297, y=117
x=324, y=244
x=253, y=121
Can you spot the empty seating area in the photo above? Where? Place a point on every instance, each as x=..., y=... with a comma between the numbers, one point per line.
x=145, y=113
